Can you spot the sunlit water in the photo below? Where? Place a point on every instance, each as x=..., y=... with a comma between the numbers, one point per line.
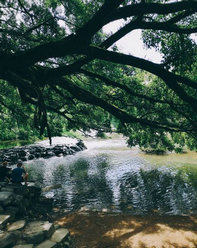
x=109, y=176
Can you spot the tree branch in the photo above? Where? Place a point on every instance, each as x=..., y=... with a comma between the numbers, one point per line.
x=156, y=69
x=87, y=97
x=151, y=8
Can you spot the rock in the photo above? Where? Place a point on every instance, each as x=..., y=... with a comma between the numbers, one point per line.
x=23, y=158
x=30, y=152
x=37, y=155
x=7, y=239
x=16, y=225
x=18, y=199
x=60, y=235
x=4, y=220
x=30, y=184
x=47, y=244
x=12, y=211
x=2, y=184
x=66, y=245
x=2, y=210
x=6, y=198
x=46, y=202
x=36, y=231
x=31, y=157
x=75, y=148
x=7, y=189
x=48, y=188
x=24, y=246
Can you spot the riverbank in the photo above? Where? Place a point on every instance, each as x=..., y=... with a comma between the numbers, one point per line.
x=110, y=176
x=102, y=230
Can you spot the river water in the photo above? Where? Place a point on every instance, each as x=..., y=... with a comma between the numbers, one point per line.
x=109, y=176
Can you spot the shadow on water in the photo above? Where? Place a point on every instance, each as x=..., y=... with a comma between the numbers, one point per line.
x=117, y=180
x=89, y=188
x=158, y=190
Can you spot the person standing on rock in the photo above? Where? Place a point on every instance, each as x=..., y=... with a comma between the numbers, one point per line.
x=19, y=174
x=5, y=173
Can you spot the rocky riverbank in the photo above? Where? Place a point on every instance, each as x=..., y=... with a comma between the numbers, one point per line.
x=25, y=220
x=41, y=150
x=25, y=215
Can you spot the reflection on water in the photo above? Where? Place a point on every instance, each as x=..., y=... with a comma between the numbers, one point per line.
x=111, y=176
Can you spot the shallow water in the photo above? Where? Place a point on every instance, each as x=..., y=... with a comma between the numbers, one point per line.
x=109, y=176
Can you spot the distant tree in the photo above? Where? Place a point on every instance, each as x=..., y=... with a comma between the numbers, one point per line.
x=56, y=55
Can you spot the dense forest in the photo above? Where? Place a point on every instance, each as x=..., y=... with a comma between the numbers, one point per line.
x=59, y=70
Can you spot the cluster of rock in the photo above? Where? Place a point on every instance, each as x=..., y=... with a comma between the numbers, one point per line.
x=24, y=221
x=18, y=200
x=24, y=153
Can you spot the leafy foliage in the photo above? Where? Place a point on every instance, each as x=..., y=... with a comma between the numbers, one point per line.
x=69, y=74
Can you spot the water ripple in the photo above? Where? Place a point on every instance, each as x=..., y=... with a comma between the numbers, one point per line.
x=110, y=176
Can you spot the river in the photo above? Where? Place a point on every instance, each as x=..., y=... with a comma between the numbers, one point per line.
x=111, y=177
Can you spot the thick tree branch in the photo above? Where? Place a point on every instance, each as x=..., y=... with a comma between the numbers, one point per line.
x=165, y=26
x=87, y=97
x=152, y=8
x=180, y=16
x=123, y=87
x=156, y=69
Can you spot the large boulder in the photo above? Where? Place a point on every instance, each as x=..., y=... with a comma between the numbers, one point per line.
x=47, y=244
x=8, y=239
x=17, y=225
x=36, y=231
x=60, y=235
x=6, y=198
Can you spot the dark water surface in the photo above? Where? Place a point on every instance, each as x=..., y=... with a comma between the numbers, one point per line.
x=109, y=176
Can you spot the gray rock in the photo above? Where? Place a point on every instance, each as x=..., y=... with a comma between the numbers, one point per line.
x=12, y=211
x=4, y=220
x=6, y=198
x=35, y=151
x=2, y=210
x=36, y=231
x=7, y=189
x=24, y=246
x=54, y=186
x=7, y=239
x=60, y=235
x=47, y=244
x=31, y=157
x=16, y=225
x=30, y=184
x=18, y=199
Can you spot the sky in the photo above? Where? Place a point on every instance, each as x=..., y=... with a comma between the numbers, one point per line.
x=132, y=43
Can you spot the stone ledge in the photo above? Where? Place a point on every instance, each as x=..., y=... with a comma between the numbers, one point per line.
x=24, y=246
x=47, y=244
x=36, y=231
x=17, y=225
x=4, y=220
x=60, y=235
x=8, y=239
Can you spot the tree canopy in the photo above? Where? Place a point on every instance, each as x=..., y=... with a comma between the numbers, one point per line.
x=57, y=57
